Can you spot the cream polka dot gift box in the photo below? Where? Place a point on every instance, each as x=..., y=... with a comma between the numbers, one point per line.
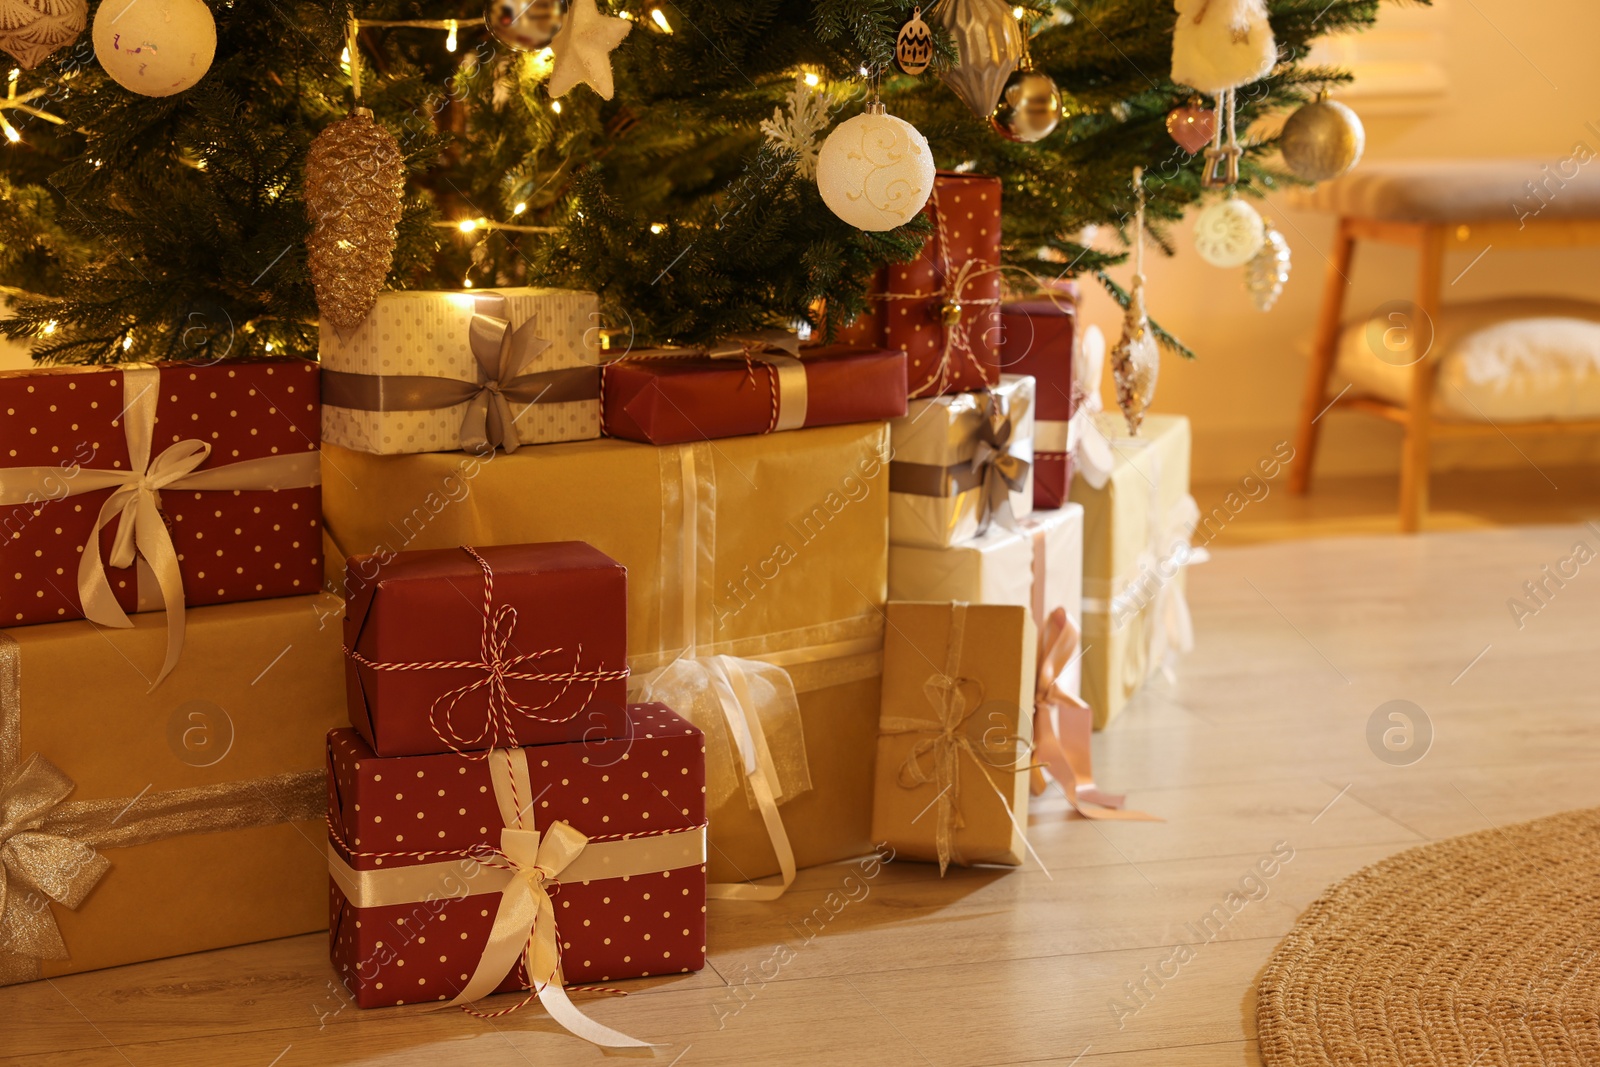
x=475, y=371
x=453, y=876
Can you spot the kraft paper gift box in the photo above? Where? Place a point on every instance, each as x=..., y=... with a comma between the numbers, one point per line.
x=427, y=857
x=782, y=561
x=956, y=458
x=956, y=733
x=151, y=487
x=1038, y=566
x=1136, y=548
x=160, y=822
x=441, y=371
x=679, y=395
x=425, y=637
x=1040, y=339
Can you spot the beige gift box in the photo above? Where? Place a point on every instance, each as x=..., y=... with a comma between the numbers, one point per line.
x=783, y=560
x=1135, y=551
x=936, y=498
x=412, y=376
x=955, y=733
x=1004, y=567
x=175, y=820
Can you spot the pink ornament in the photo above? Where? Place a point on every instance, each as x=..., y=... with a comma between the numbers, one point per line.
x=1192, y=127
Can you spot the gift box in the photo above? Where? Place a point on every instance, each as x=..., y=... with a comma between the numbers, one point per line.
x=956, y=733
x=440, y=371
x=428, y=856
x=768, y=548
x=1038, y=566
x=1136, y=547
x=159, y=822
x=672, y=397
x=942, y=309
x=457, y=649
x=142, y=487
x=962, y=462
x=1039, y=339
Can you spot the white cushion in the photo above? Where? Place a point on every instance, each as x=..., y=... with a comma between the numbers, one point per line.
x=1509, y=360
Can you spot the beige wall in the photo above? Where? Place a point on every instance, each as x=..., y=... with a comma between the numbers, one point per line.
x=1523, y=79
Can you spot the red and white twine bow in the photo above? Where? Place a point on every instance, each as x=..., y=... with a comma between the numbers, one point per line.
x=500, y=665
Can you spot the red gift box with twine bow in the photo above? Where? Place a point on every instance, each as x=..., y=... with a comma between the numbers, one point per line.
x=456, y=875
x=463, y=649
x=943, y=308
x=150, y=487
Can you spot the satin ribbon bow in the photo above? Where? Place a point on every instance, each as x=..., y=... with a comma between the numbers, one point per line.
x=1000, y=471
x=1087, y=444
x=504, y=353
x=1062, y=725
x=1170, y=629
x=34, y=858
x=952, y=709
x=525, y=928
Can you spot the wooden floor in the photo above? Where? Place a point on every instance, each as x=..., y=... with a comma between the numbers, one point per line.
x=1259, y=744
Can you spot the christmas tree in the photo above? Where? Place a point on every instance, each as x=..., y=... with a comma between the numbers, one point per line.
x=140, y=227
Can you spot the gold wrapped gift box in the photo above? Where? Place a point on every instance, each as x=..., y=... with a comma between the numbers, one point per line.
x=956, y=732
x=1136, y=548
x=198, y=805
x=771, y=548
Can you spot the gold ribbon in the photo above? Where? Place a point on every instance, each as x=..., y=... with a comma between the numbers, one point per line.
x=947, y=693
x=777, y=350
x=503, y=353
x=50, y=846
x=135, y=504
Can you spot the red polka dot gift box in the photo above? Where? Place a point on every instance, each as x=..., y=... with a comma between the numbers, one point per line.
x=148, y=487
x=462, y=649
x=943, y=308
x=456, y=875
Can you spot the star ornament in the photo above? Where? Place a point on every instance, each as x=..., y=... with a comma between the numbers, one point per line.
x=583, y=49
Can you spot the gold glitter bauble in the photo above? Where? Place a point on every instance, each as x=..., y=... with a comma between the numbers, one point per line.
x=355, y=178
x=1322, y=140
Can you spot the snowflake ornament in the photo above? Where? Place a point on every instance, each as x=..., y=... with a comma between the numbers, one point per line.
x=799, y=129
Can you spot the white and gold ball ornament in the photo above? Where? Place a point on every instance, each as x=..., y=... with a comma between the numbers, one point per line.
x=155, y=47
x=1229, y=233
x=875, y=171
x=1322, y=140
x=525, y=25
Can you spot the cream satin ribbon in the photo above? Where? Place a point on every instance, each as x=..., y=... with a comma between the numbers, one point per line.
x=50, y=846
x=135, y=502
x=726, y=676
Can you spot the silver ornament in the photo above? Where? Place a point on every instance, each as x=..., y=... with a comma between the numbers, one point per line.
x=1268, y=272
x=1322, y=140
x=1029, y=108
x=525, y=25
x=989, y=40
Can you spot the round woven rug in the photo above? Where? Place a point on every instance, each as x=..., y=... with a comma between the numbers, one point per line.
x=1478, y=951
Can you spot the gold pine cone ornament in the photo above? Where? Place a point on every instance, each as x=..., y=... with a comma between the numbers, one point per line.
x=355, y=180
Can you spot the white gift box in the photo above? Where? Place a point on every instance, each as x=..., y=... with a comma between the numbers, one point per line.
x=1002, y=567
x=944, y=468
x=441, y=371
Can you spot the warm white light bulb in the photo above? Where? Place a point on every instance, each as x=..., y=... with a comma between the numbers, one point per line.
x=467, y=225
x=812, y=80
x=450, y=37
x=660, y=19
x=519, y=208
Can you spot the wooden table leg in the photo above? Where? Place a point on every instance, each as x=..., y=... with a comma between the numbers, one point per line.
x=1419, y=408
x=1324, y=349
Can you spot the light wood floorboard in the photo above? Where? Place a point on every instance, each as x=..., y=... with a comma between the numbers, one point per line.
x=1259, y=741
